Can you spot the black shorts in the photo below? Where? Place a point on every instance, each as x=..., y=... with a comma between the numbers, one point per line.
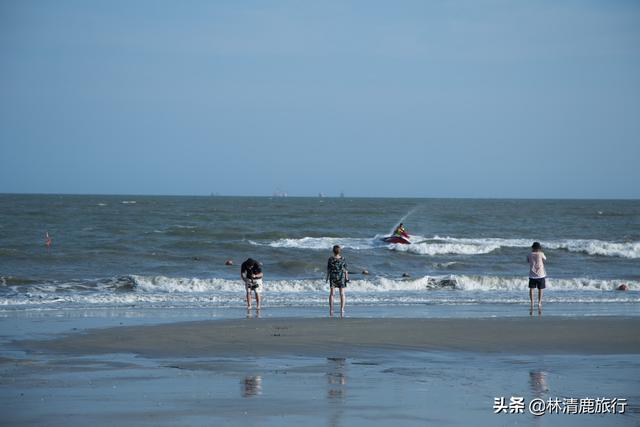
x=338, y=285
x=536, y=283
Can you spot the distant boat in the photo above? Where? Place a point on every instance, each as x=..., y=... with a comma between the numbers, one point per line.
x=279, y=193
x=342, y=194
x=320, y=194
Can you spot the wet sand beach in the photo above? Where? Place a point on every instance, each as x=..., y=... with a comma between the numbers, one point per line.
x=318, y=371
x=319, y=337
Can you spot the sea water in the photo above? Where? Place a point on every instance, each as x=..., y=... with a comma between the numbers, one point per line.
x=468, y=257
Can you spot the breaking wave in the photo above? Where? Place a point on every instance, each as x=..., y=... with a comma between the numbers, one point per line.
x=442, y=248
x=169, y=292
x=320, y=243
x=163, y=284
x=377, y=284
x=437, y=245
x=588, y=246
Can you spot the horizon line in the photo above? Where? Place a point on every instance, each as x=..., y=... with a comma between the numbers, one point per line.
x=315, y=197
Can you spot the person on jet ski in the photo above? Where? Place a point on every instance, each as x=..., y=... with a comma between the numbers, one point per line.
x=400, y=231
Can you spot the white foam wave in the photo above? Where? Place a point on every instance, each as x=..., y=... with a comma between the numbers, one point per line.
x=438, y=245
x=157, y=284
x=494, y=283
x=445, y=248
x=598, y=247
x=166, y=292
x=320, y=243
x=588, y=246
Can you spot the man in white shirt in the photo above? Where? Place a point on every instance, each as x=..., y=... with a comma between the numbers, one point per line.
x=537, y=274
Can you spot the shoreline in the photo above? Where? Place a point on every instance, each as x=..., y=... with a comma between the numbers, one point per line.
x=351, y=336
x=318, y=370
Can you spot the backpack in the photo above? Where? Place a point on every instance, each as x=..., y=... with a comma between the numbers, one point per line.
x=336, y=267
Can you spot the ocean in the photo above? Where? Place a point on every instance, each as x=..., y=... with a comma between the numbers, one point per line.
x=468, y=257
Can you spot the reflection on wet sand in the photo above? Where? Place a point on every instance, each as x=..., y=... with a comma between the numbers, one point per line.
x=539, y=388
x=539, y=312
x=336, y=391
x=252, y=386
x=250, y=314
x=538, y=383
x=336, y=377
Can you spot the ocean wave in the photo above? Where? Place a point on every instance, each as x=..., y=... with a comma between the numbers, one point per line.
x=16, y=281
x=164, y=284
x=588, y=246
x=319, y=243
x=168, y=292
x=445, y=248
x=450, y=264
x=597, y=247
x=379, y=284
x=438, y=245
x=496, y=283
x=31, y=285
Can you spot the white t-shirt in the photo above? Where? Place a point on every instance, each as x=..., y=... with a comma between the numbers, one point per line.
x=536, y=265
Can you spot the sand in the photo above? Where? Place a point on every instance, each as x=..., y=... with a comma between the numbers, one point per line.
x=349, y=337
x=316, y=371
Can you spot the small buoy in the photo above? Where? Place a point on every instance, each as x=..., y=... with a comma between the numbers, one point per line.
x=623, y=287
x=228, y=262
x=195, y=258
x=365, y=271
x=405, y=275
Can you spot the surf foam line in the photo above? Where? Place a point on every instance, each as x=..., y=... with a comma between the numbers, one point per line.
x=588, y=246
x=129, y=286
x=167, y=292
x=379, y=284
x=321, y=243
x=438, y=245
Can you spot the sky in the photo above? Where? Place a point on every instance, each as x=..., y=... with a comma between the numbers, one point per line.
x=393, y=99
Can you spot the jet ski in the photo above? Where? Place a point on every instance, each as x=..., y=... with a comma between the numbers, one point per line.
x=402, y=239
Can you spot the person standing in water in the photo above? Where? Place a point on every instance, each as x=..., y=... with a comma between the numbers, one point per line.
x=337, y=276
x=537, y=274
x=251, y=274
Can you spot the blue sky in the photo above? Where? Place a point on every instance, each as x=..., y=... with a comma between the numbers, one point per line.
x=419, y=99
